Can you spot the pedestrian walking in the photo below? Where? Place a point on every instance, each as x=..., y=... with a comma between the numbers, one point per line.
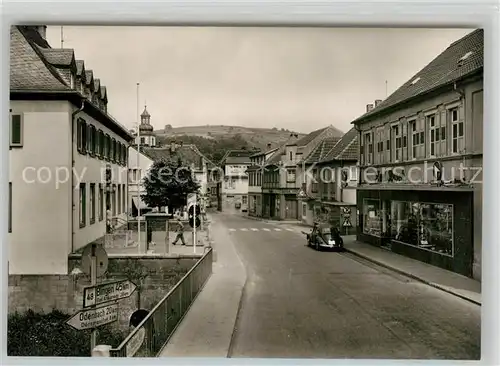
x=180, y=232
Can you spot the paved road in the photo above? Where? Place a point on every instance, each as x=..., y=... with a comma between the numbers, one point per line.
x=299, y=303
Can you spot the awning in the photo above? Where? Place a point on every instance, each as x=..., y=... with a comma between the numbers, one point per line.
x=142, y=204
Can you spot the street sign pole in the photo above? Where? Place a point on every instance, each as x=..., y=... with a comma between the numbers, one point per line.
x=93, y=282
x=194, y=226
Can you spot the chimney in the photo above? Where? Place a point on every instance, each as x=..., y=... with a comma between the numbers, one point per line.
x=269, y=146
x=377, y=102
x=369, y=107
x=42, y=30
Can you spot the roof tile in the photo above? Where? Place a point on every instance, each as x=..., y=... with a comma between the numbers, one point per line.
x=58, y=56
x=444, y=69
x=189, y=154
x=345, y=149
x=27, y=69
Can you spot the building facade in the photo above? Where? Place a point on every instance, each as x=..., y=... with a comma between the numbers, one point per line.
x=235, y=164
x=420, y=182
x=285, y=173
x=255, y=174
x=329, y=193
x=67, y=156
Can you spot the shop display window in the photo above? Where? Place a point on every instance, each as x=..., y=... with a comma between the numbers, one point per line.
x=427, y=226
x=372, y=217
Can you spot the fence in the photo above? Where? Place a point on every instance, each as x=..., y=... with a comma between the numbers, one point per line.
x=150, y=336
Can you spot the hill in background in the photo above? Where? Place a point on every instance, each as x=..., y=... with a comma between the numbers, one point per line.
x=214, y=140
x=255, y=137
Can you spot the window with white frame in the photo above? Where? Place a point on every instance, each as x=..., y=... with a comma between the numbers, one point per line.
x=396, y=143
x=368, y=145
x=437, y=135
x=418, y=140
x=290, y=175
x=457, y=127
x=83, y=205
x=92, y=202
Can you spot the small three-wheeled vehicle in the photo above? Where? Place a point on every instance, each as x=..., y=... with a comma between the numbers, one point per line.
x=325, y=237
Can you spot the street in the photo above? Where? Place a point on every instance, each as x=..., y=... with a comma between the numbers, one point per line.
x=299, y=303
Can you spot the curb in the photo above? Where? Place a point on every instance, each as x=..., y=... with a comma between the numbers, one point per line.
x=412, y=276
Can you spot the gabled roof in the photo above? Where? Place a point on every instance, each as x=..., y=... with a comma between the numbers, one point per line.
x=28, y=69
x=304, y=141
x=262, y=153
x=322, y=149
x=59, y=56
x=189, y=154
x=97, y=86
x=345, y=149
x=80, y=68
x=33, y=71
x=104, y=94
x=451, y=65
x=237, y=154
x=89, y=77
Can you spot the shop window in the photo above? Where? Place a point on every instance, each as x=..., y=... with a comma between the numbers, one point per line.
x=372, y=217
x=428, y=226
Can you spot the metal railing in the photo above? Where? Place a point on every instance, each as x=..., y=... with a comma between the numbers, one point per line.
x=153, y=333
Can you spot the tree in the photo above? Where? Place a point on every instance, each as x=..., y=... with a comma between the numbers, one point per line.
x=168, y=183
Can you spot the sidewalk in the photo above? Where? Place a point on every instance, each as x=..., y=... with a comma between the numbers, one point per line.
x=207, y=328
x=451, y=282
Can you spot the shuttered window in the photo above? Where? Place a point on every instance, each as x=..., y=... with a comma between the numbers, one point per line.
x=16, y=130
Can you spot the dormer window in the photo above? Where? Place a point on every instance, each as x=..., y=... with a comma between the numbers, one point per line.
x=415, y=80
x=71, y=81
x=465, y=57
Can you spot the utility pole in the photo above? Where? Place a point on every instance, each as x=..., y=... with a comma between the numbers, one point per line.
x=62, y=37
x=386, y=88
x=139, y=178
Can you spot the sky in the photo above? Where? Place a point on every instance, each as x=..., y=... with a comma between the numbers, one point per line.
x=300, y=79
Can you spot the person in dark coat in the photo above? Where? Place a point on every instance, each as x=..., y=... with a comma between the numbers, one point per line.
x=180, y=232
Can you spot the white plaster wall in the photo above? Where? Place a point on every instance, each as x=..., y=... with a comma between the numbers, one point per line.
x=92, y=170
x=40, y=240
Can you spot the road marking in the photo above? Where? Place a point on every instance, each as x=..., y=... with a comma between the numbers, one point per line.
x=254, y=229
x=277, y=229
x=232, y=229
x=265, y=229
x=243, y=229
x=289, y=229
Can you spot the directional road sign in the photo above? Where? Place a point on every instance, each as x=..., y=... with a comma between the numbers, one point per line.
x=93, y=318
x=106, y=292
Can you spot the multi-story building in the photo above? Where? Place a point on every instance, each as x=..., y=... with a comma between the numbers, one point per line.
x=138, y=165
x=235, y=164
x=67, y=156
x=255, y=173
x=329, y=192
x=285, y=173
x=420, y=187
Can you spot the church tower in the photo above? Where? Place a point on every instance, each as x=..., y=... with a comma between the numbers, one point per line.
x=146, y=135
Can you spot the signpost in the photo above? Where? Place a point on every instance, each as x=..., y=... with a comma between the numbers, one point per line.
x=346, y=216
x=107, y=292
x=136, y=342
x=191, y=204
x=95, y=264
x=93, y=318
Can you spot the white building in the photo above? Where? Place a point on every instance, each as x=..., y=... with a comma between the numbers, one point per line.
x=235, y=164
x=136, y=172
x=255, y=173
x=63, y=144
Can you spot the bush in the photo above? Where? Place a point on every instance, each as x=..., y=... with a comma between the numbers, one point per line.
x=35, y=334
